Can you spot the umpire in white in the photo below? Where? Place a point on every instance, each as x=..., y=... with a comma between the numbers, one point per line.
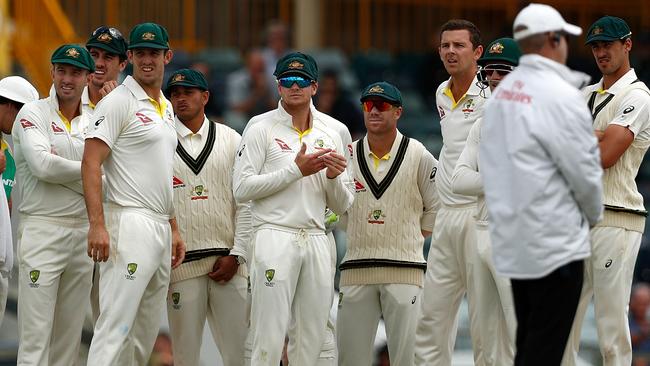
x=542, y=178
x=619, y=104
x=394, y=209
x=211, y=283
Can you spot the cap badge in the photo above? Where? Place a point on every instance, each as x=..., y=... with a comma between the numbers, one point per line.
x=104, y=37
x=296, y=65
x=148, y=36
x=376, y=89
x=178, y=77
x=496, y=48
x=597, y=30
x=72, y=52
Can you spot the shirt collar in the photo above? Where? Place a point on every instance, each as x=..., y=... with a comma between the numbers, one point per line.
x=286, y=118
x=621, y=83
x=393, y=148
x=183, y=131
x=535, y=61
x=54, y=101
x=135, y=88
x=473, y=90
x=85, y=97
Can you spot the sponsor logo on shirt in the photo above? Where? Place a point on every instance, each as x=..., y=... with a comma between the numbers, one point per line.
x=99, y=120
x=269, y=274
x=130, y=269
x=199, y=193
x=376, y=217
x=177, y=182
x=33, y=276
x=26, y=124
x=340, y=299
x=57, y=129
x=350, y=150
x=358, y=187
x=433, y=173
x=176, y=299
x=414, y=299
x=608, y=263
x=628, y=109
x=441, y=112
x=283, y=145
x=241, y=151
x=143, y=118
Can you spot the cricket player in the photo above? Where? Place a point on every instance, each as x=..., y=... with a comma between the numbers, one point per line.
x=212, y=281
x=619, y=104
x=134, y=138
x=107, y=47
x=393, y=211
x=291, y=267
x=14, y=93
x=453, y=243
x=542, y=180
x=492, y=293
x=54, y=273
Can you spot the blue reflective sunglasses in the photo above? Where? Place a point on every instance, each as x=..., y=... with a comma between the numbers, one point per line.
x=287, y=82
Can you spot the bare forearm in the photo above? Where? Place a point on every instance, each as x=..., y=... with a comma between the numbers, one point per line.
x=92, y=184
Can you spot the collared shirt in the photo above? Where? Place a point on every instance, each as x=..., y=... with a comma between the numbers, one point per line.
x=427, y=170
x=541, y=170
x=634, y=109
x=456, y=119
x=86, y=104
x=141, y=134
x=265, y=172
x=192, y=142
x=48, y=150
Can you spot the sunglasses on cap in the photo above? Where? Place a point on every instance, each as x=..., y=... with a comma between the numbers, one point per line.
x=381, y=105
x=110, y=30
x=287, y=82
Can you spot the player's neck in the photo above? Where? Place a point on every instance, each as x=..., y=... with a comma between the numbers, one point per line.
x=195, y=123
x=299, y=116
x=460, y=83
x=93, y=94
x=611, y=79
x=69, y=109
x=380, y=144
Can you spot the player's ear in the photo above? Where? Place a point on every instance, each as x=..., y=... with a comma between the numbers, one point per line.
x=129, y=56
x=168, y=56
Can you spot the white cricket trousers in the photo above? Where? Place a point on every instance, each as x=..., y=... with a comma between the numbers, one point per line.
x=608, y=278
x=4, y=292
x=132, y=287
x=54, y=281
x=190, y=302
x=361, y=307
x=292, y=280
x=495, y=310
x=446, y=280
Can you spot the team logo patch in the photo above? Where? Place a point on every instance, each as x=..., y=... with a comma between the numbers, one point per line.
x=105, y=37
x=72, y=52
x=441, y=112
x=319, y=143
x=177, y=182
x=178, y=78
x=148, y=36
x=358, y=187
x=376, y=89
x=283, y=145
x=176, y=299
x=468, y=107
x=198, y=193
x=269, y=274
x=496, y=48
x=597, y=30
x=432, y=176
x=143, y=118
x=296, y=65
x=26, y=124
x=376, y=217
x=130, y=269
x=33, y=276
x=56, y=128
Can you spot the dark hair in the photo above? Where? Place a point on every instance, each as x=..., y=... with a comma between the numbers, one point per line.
x=4, y=100
x=462, y=24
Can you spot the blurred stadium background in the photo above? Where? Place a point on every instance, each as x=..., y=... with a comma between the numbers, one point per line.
x=355, y=42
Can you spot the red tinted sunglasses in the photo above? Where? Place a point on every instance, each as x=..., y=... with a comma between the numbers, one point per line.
x=381, y=105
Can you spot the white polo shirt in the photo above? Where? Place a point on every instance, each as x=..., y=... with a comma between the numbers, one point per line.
x=140, y=132
x=48, y=150
x=265, y=172
x=456, y=119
